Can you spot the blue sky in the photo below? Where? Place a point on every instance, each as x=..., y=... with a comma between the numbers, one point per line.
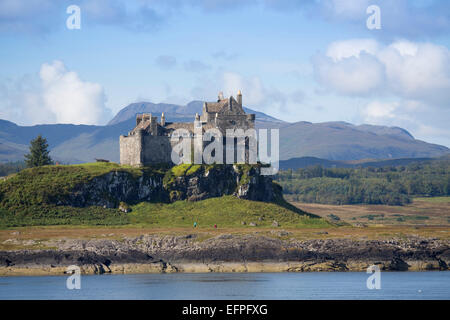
x=296, y=60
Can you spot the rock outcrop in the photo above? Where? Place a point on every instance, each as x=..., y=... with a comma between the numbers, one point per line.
x=227, y=253
x=114, y=187
x=244, y=182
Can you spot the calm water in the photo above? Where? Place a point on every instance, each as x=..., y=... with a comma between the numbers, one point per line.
x=232, y=286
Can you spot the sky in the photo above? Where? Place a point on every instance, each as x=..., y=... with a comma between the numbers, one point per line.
x=310, y=60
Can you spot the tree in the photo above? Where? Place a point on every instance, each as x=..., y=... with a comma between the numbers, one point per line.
x=39, y=154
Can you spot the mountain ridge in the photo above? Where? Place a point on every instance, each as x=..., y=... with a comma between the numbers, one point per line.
x=174, y=111
x=333, y=140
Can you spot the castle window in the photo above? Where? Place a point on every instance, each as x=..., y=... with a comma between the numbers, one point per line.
x=233, y=122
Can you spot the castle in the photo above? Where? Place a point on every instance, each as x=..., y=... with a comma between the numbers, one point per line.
x=150, y=141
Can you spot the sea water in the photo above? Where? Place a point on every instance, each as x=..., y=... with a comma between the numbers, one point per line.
x=232, y=286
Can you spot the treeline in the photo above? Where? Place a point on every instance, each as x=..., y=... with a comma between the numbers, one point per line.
x=393, y=185
x=11, y=167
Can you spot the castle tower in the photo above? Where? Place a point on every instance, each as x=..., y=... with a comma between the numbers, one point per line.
x=163, y=120
x=239, y=98
x=153, y=126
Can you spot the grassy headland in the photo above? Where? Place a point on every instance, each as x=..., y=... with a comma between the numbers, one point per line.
x=33, y=197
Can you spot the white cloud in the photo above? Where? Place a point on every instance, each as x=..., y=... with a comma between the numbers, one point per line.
x=256, y=94
x=259, y=96
x=58, y=96
x=418, y=71
x=339, y=50
x=70, y=99
x=377, y=112
x=252, y=87
x=409, y=82
x=354, y=75
x=425, y=122
x=409, y=70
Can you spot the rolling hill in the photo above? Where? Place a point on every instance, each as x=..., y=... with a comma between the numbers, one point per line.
x=329, y=140
x=305, y=162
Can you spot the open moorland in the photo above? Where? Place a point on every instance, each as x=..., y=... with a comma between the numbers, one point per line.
x=421, y=212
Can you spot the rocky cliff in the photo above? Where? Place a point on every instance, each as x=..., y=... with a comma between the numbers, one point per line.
x=191, y=182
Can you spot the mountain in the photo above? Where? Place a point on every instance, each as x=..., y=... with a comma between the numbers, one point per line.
x=345, y=141
x=175, y=112
x=329, y=140
x=68, y=143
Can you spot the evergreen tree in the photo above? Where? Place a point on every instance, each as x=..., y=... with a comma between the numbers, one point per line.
x=39, y=154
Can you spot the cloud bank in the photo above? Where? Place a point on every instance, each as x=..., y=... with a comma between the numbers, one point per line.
x=409, y=70
x=404, y=83
x=410, y=19
x=57, y=96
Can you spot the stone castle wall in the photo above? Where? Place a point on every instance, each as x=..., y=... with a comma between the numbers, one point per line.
x=139, y=149
x=156, y=149
x=131, y=149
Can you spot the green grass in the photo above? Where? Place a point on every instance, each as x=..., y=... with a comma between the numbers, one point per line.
x=47, y=215
x=184, y=169
x=226, y=211
x=434, y=199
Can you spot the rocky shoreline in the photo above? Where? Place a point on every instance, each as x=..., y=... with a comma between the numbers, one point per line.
x=226, y=253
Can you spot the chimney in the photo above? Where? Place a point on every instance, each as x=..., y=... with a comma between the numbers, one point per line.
x=163, y=119
x=220, y=97
x=138, y=119
x=239, y=98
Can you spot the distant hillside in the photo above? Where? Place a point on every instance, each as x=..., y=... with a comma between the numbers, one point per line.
x=305, y=162
x=345, y=141
x=397, y=183
x=329, y=140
